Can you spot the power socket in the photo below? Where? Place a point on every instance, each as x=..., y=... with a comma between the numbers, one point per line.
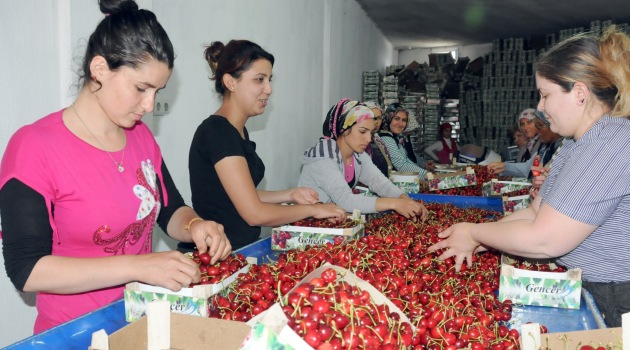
x=161, y=107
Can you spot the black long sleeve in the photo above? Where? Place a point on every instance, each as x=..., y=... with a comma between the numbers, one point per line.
x=27, y=234
x=175, y=200
x=26, y=231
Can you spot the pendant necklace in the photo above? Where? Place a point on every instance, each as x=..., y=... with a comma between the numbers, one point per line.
x=119, y=165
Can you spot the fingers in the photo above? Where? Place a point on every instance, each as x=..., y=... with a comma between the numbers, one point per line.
x=446, y=233
x=439, y=245
x=182, y=274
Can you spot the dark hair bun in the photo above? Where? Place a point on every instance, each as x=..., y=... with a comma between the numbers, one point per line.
x=109, y=7
x=212, y=54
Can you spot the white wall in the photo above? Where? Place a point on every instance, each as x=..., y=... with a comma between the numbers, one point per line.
x=321, y=47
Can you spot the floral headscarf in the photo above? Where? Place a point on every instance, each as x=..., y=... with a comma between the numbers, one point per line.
x=343, y=116
x=374, y=106
x=388, y=116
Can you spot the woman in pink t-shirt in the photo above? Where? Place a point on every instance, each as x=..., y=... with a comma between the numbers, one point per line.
x=81, y=189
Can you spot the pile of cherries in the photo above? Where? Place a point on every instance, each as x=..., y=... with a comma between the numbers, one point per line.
x=215, y=273
x=448, y=309
x=324, y=223
x=329, y=313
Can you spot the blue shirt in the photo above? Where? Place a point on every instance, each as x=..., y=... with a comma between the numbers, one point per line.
x=590, y=182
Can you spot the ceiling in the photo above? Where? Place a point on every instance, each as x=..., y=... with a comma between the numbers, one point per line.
x=434, y=23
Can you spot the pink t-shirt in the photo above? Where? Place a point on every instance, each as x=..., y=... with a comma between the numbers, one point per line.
x=98, y=211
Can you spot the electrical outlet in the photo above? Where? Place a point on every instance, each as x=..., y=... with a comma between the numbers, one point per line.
x=161, y=107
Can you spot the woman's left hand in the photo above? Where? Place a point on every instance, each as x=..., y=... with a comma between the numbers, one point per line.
x=458, y=242
x=304, y=195
x=209, y=236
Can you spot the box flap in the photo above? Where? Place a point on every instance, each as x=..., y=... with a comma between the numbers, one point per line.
x=187, y=332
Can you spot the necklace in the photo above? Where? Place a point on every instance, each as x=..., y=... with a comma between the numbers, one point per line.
x=119, y=165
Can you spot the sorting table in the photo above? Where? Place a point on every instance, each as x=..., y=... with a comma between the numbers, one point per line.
x=77, y=334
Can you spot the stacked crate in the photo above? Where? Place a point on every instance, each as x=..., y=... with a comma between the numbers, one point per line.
x=372, y=86
x=390, y=89
x=470, y=111
x=432, y=112
x=414, y=102
x=508, y=87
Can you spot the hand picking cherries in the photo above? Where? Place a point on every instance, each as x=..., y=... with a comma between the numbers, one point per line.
x=213, y=274
x=536, y=163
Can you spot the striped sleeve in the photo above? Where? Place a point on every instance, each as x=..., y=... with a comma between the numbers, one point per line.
x=591, y=183
x=399, y=158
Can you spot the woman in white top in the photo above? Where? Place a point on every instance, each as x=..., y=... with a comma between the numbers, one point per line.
x=445, y=149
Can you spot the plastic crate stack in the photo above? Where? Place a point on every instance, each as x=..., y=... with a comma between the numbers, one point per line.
x=390, y=89
x=432, y=112
x=371, y=86
x=508, y=87
x=414, y=103
x=470, y=107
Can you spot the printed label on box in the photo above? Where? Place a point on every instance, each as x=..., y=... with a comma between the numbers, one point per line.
x=541, y=291
x=292, y=237
x=188, y=301
x=452, y=180
x=512, y=204
x=408, y=182
x=539, y=288
x=497, y=188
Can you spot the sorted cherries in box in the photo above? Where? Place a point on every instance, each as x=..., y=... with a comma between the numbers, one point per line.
x=218, y=272
x=192, y=300
x=334, y=309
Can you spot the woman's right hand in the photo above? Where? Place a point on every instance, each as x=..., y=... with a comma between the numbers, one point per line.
x=410, y=208
x=329, y=211
x=537, y=181
x=172, y=270
x=496, y=167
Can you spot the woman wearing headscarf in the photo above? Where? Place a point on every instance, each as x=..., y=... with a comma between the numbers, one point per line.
x=377, y=150
x=528, y=127
x=395, y=121
x=337, y=162
x=548, y=141
x=445, y=149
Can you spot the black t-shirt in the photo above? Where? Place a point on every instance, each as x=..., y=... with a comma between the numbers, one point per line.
x=214, y=140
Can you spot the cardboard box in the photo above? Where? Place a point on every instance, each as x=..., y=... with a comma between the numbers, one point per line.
x=495, y=187
x=188, y=301
x=540, y=288
x=186, y=332
x=408, y=182
x=512, y=204
x=608, y=338
x=443, y=181
x=289, y=237
x=274, y=321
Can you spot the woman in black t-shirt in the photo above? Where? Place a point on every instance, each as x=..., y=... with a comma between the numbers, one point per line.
x=224, y=167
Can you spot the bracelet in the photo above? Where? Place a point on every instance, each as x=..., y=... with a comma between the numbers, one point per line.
x=187, y=226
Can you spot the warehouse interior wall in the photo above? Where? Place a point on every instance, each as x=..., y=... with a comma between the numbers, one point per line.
x=321, y=48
